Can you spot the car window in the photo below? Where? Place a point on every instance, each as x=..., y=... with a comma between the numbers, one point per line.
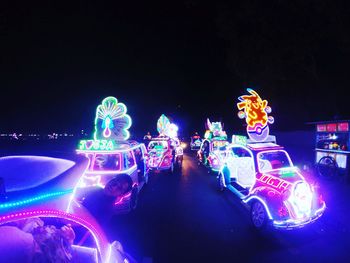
x=219, y=144
x=272, y=160
x=138, y=154
x=160, y=145
x=106, y=162
x=129, y=160
x=240, y=152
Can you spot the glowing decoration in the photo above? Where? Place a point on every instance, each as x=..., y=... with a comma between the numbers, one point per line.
x=273, y=181
x=163, y=125
x=97, y=145
x=216, y=128
x=166, y=128
x=255, y=111
x=207, y=134
x=34, y=199
x=112, y=120
x=238, y=139
x=300, y=199
x=172, y=130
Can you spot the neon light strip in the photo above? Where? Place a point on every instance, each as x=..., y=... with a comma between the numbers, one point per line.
x=111, y=152
x=323, y=207
x=263, y=202
x=132, y=168
x=37, y=198
x=122, y=198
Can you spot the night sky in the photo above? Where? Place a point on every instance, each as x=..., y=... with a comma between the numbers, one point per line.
x=189, y=60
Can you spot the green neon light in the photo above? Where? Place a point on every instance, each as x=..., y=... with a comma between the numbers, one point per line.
x=111, y=120
x=34, y=199
x=96, y=145
x=163, y=124
x=239, y=139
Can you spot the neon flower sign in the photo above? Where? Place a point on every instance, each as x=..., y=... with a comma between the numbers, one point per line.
x=255, y=111
x=111, y=120
x=166, y=128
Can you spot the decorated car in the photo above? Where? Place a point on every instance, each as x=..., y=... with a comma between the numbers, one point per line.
x=40, y=218
x=212, y=151
x=195, y=142
x=261, y=173
x=165, y=151
x=116, y=165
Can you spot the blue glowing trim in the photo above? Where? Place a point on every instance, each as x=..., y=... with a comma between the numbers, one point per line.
x=34, y=199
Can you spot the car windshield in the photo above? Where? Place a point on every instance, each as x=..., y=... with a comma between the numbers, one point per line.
x=158, y=145
x=272, y=160
x=106, y=162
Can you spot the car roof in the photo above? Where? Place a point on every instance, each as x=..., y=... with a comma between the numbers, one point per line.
x=120, y=146
x=263, y=146
x=258, y=147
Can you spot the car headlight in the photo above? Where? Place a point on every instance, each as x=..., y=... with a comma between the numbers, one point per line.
x=301, y=199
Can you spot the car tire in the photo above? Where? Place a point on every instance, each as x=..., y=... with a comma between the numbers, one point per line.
x=172, y=168
x=258, y=215
x=221, y=186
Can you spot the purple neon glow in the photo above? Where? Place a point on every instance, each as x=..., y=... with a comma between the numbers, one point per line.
x=101, y=242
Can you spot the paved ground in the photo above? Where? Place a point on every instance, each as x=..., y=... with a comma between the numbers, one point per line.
x=183, y=218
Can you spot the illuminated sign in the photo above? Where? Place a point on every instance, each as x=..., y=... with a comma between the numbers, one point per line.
x=215, y=130
x=111, y=121
x=96, y=145
x=275, y=182
x=343, y=126
x=239, y=139
x=332, y=127
x=255, y=111
x=321, y=127
x=163, y=124
x=166, y=128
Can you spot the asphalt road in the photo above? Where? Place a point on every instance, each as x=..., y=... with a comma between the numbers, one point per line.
x=183, y=218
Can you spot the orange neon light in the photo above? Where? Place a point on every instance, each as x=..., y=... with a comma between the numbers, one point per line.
x=255, y=111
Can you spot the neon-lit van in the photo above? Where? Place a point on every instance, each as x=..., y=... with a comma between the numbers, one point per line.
x=118, y=168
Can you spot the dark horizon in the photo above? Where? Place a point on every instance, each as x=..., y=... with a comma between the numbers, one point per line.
x=189, y=60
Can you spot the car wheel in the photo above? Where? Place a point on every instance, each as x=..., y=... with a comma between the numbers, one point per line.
x=134, y=198
x=327, y=167
x=221, y=186
x=258, y=215
x=172, y=168
x=146, y=179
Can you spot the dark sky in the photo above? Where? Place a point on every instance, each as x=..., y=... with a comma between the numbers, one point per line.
x=189, y=60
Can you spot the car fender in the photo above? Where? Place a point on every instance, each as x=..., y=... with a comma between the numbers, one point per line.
x=270, y=201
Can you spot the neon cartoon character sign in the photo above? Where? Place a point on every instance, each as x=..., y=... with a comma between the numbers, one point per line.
x=214, y=129
x=255, y=111
x=112, y=120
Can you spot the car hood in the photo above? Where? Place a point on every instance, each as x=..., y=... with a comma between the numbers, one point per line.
x=290, y=175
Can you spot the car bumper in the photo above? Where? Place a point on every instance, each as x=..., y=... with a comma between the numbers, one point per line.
x=293, y=224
